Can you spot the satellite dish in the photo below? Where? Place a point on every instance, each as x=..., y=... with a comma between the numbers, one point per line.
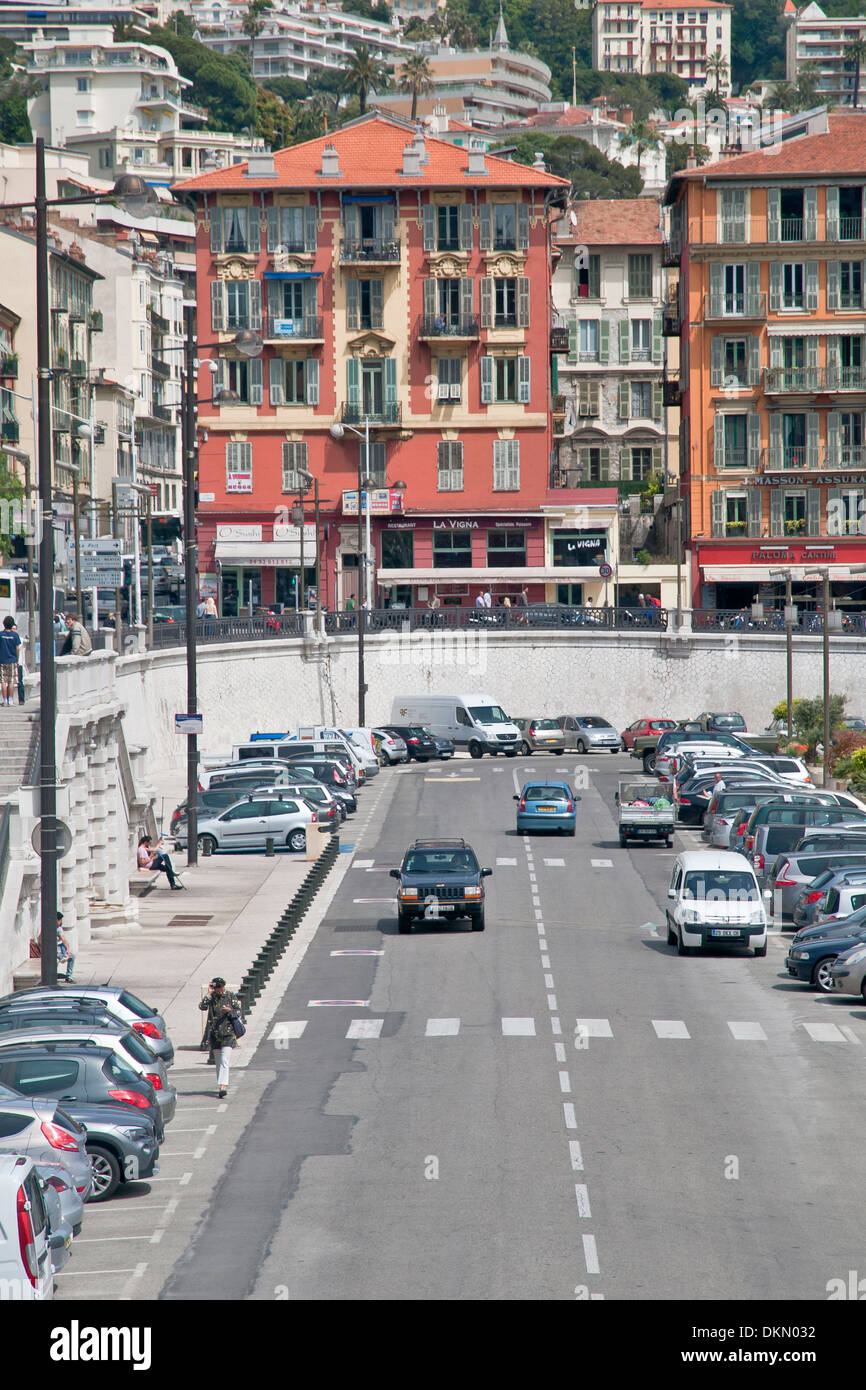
x=572, y=217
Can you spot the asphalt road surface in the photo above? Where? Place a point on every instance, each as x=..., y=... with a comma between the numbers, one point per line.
x=556, y=1108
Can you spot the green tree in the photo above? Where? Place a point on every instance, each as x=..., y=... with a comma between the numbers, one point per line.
x=221, y=82
x=574, y=159
x=799, y=96
x=416, y=76
x=15, y=90
x=253, y=22
x=717, y=72
x=757, y=41
x=364, y=74
x=368, y=10
x=855, y=52
x=11, y=490
x=640, y=136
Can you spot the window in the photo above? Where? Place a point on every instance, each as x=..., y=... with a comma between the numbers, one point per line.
x=448, y=302
x=735, y=362
x=83, y=117
x=641, y=340
x=588, y=395
x=641, y=464
x=44, y=1075
x=234, y=230
x=594, y=463
x=294, y=381
x=504, y=227
x=588, y=329
x=736, y=518
x=237, y=304
x=375, y=466
x=851, y=437
x=640, y=276
x=587, y=279
x=364, y=303
x=448, y=229
x=793, y=286
x=642, y=399
x=291, y=229
x=850, y=285
x=505, y=302
x=449, y=466
x=506, y=548
x=452, y=550
x=294, y=461
x=732, y=210
x=505, y=378
x=791, y=214
x=82, y=84
x=398, y=550
x=794, y=513
x=573, y=548
x=506, y=465
x=239, y=467
x=735, y=441
x=449, y=378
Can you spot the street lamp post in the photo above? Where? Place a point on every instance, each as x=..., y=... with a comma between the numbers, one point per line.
x=338, y=431
x=308, y=481
x=789, y=646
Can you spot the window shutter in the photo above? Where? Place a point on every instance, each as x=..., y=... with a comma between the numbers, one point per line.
x=572, y=340
x=657, y=340
x=465, y=227
x=775, y=440
x=523, y=301
x=863, y=284
x=717, y=511
x=276, y=380
x=216, y=231
x=376, y=302
x=387, y=222
x=593, y=388
x=754, y=505
x=603, y=340
x=774, y=196
x=813, y=511
x=811, y=285
x=594, y=285
x=487, y=381
x=832, y=230
x=254, y=230
x=834, y=438
x=486, y=301
x=273, y=228
x=311, y=228
x=833, y=284
x=466, y=297
x=812, y=427
x=657, y=458
x=311, y=380
x=753, y=441
x=717, y=289
x=753, y=286
x=810, y=214
x=217, y=310
x=514, y=464
x=604, y=462
x=390, y=381
x=623, y=400
x=429, y=224
x=353, y=382
x=430, y=297
x=352, y=222
x=717, y=371
x=353, y=311
x=657, y=400
x=624, y=340
x=718, y=442
x=753, y=348
x=523, y=380
x=275, y=299
x=776, y=527
x=255, y=304
x=775, y=285
x=255, y=370
x=775, y=353
x=835, y=515
x=485, y=227
x=812, y=363
x=522, y=227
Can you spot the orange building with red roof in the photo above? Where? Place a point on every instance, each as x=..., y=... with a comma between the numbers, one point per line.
x=401, y=288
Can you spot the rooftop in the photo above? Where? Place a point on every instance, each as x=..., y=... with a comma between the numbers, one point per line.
x=614, y=222
x=840, y=150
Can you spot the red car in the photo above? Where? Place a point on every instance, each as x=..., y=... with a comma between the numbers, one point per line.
x=642, y=727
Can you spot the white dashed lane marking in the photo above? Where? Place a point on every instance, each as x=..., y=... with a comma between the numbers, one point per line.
x=593, y=1028
x=670, y=1028
x=601, y=863
x=506, y=863
x=747, y=1032
x=365, y=1028
x=442, y=1028
x=282, y=1032
x=824, y=1032
x=518, y=1027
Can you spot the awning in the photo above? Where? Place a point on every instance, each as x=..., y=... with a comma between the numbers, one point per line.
x=263, y=554
x=293, y=274
x=743, y=574
x=798, y=330
x=518, y=574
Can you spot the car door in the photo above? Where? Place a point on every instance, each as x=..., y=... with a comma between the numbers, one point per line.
x=281, y=819
x=42, y=1076
x=242, y=826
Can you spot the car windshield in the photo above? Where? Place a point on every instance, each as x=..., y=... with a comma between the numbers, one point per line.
x=488, y=714
x=728, y=721
x=135, y=1005
x=720, y=885
x=440, y=861
x=592, y=721
x=663, y=724
x=545, y=793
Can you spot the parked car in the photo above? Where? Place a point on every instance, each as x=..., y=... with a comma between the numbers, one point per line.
x=832, y=897
x=670, y=746
x=641, y=728
x=129, y=1047
x=589, y=733
x=714, y=900
x=331, y=775
x=540, y=736
x=693, y=791
x=241, y=777
x=64, y=1208
x=547, y=806
x=216, y=799
x=848, y=971
x=795, y=874
x=724, y=805
x=138, y=1015
x=420, y=745
x=122, y=1148
x=444, y=746
x=69, y=1071
x=249, y=824
x=440, y=878
x=87, y=1013
x=38, y=1127
x=391, y=748
x=26, y=1274
x=831, y=839
x=731, y=723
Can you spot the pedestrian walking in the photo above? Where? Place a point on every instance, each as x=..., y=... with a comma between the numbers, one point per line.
x=200, y=607
x=10, y=645
x=223, y=1020
x=78, y=641
x=479, y=600
x=487, y=599
x=157, y=861
x=67, y=943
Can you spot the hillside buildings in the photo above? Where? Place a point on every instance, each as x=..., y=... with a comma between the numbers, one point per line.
x=823, y=41
x=663, y=36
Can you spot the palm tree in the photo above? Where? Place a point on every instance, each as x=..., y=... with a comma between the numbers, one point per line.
x=717, y=69
x=641, y=136
x=855, y=52
x=253, y=24
x=416, y=77
x=363, y=73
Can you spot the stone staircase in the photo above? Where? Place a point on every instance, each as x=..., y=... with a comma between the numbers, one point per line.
x=18, y=723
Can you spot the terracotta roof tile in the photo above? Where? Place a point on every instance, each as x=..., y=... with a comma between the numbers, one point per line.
x=371, y=156
x=842, y=150
x=615, y=222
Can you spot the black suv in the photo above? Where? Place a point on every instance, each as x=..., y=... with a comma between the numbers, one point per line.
x=440, y=879
x=420, y=743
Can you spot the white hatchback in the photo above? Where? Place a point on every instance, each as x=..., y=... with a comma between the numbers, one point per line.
x=26, y=1273
x=714, y=900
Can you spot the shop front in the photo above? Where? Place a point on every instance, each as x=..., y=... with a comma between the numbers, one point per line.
x=454, y=559
x=260, y=566
x=734, y=575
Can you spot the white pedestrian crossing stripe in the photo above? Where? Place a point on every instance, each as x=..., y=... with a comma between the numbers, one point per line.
x=362, y=863
x=518, y=1027
x=555, y=863
x=365, y=1028
x=593, y=1028
x=670, y=1028
x=601, y=863
x=506, y=863
x=824, y=1032
x=282, y=1032
x=747, y=1032
x=442, y=1028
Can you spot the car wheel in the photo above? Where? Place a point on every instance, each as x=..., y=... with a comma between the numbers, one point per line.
x=478, y=922
x=559, y=752
x=649, y=761
x=580, y=746
x=821, y=975
x=297, y=840
x=404, y=923
x=106, y=1173
x=207, y=844
x=615, y=750
x=761, y=950
x=623, y=746
x=672, y=936
x=682, y=950
x=511, y=752
x=669, y=841
x=475, y=749
x=524, y=748
x=623, y=839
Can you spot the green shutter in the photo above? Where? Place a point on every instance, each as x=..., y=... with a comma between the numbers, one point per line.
x=353, y=382
x=753, y=287
x=523, y=301
x=657, y=400
x=486, y=301
x=717, y=371
x=624, y=341
x=717, y=289
x=276, y=380
x=753, y=441
x=657, y=458
x=311, y=380
x=623, y=400
x=216, y=231
x=387, y=222
x=833, y=283
x=273, y=228
x=603, y=340
x=353, y=310
x=376, y=302
x=311, y=228
x=657, y=340
x=812, y=438
x=811, y=286
x=275, y=300
x=753, y=349
x=775, y=440
x=810, y=214
x=485, y=227
x=352, y=222
x=430, y=297
x=604, y=462
x=429, y=225
x=718, y=443
x=486, y=380
x=255, y=302
x=466, y=298
x=217, y=306
x=775, y=285
x=832, y=230
x=465, y=227
x=254, y=231
x=524, y=365
x=594, y=285
x=774, y=196
x=717, y=511
x=255, y=370
x=522, y=227
x=390, y=381
x=572, y=340
x=834, y=438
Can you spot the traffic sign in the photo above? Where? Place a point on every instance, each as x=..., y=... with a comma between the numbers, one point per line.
x=188, y=724
x=62, y=838
x=605, y=571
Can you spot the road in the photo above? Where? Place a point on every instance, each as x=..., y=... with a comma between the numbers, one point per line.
x=556, y=1108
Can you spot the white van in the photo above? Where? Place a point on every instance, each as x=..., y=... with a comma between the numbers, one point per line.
x=362, y=745
x=289, y=747
x=714, y=900
x=474, y=722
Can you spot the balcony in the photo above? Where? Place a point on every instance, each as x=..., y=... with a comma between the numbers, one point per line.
x=60, y=361
x=455, y=327
x=9, y=366
x=671, y=321
x=559, y=334
x=671, y=251
x=96, y=320
x=359, y=415
x=307, y=329
x=78, y=367
x=850, y=228
x=735, y=306
x=671, y=393
x=735, y=460
x=370, y=251
x=790, y=459
x=163, y=412
x=791, y=229
x=157, y=322
x=160, y=368
x=804, y=381
x=9, y=430
x=557, y=412
x=845, y=378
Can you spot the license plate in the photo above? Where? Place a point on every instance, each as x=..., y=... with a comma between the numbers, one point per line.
x=547, y=808
x=726, y=931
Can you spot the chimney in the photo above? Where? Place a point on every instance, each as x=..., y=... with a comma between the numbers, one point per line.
x=419, y=144
x=538, y=161
x=411, y=162
x=477, y=167
x=261, y=166
x=691, y=162
x=330, y=163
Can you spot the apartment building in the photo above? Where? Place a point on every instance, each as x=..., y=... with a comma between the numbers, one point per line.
x=401, y=287
x=772, y=254
x=822, y=41
x=662, y=36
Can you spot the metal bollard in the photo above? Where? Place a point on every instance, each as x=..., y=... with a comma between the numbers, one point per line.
x=269, y=846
